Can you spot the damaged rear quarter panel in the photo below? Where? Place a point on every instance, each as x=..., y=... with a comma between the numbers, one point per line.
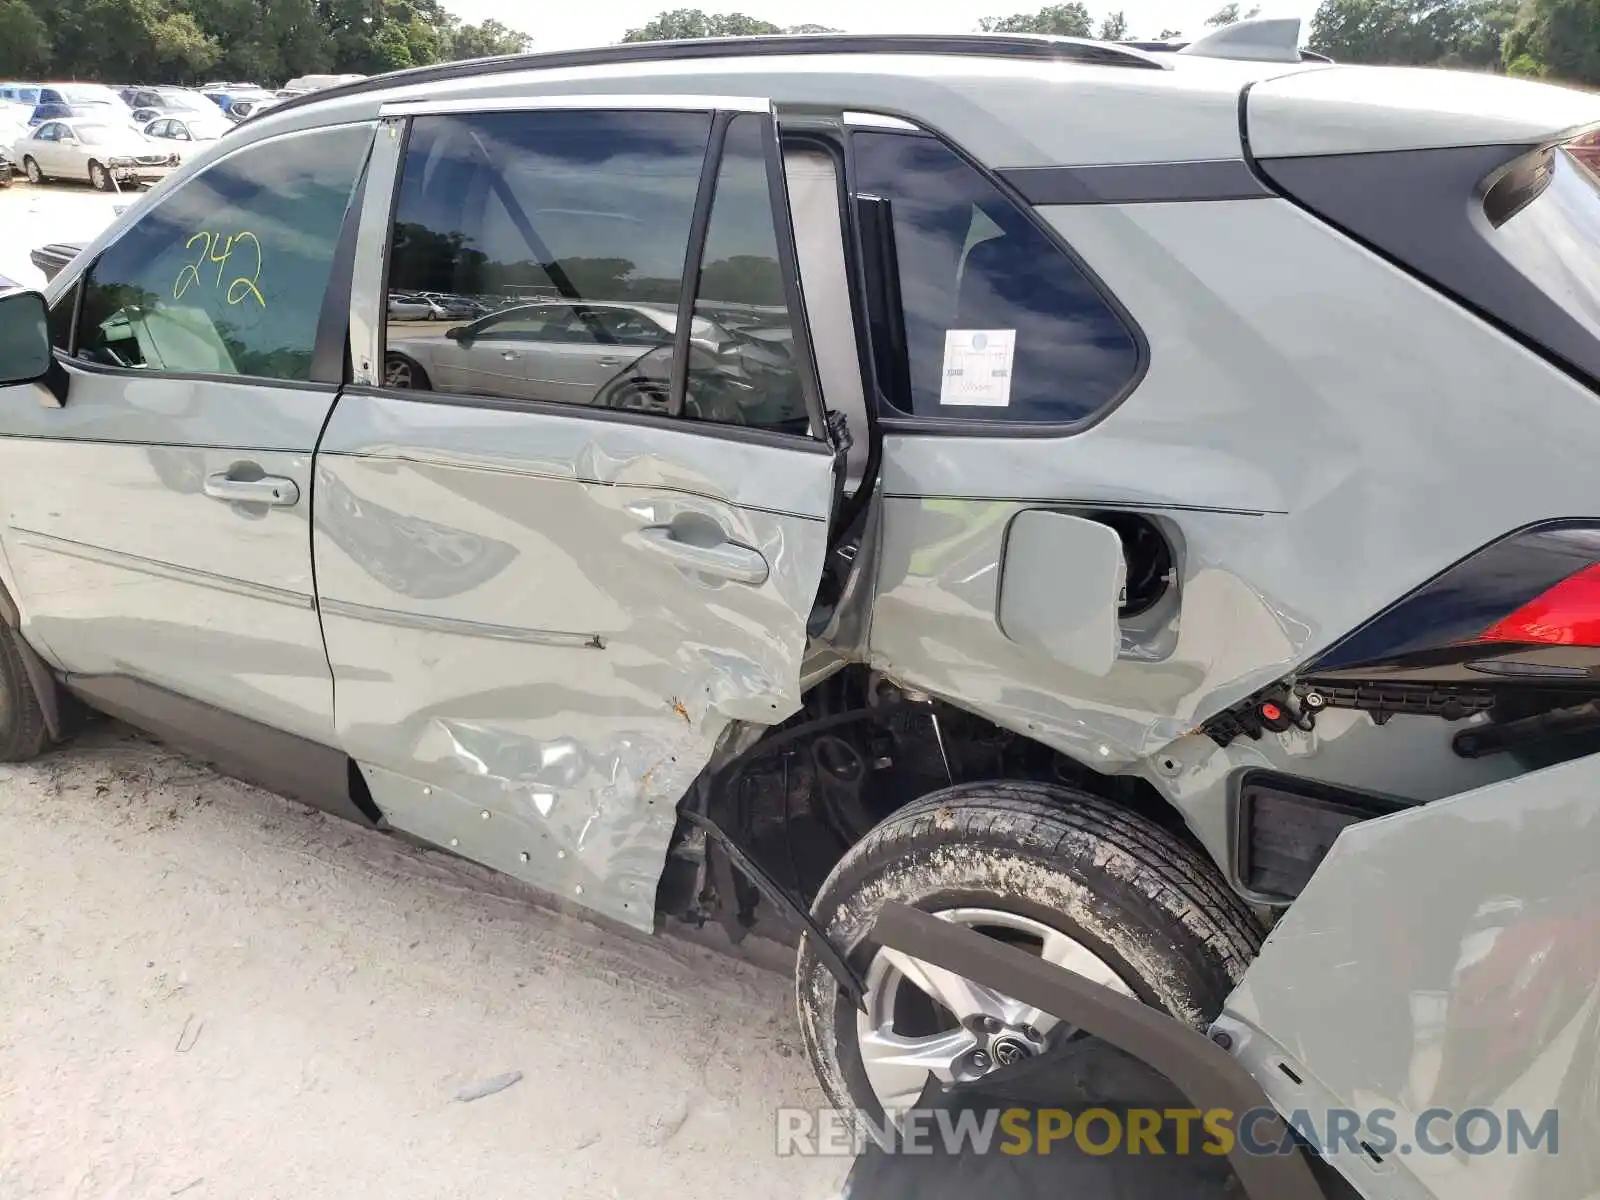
x=520, y=677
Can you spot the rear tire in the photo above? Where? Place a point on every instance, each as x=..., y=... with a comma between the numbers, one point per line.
x=99, y=177
x=23, y=734
x=1120, y=892
x=31, y=169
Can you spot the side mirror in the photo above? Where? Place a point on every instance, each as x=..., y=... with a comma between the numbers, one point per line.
x=458, y=333
x=24, y=339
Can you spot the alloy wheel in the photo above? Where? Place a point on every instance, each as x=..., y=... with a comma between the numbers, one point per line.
x=397, y=373
x=922, y=1019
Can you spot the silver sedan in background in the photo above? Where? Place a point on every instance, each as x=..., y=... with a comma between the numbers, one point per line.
x=184, y=134
x=103, y=153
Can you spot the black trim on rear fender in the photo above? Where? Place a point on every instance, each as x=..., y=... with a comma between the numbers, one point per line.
x=1139, y=183
x=282, y=762
x=1422, y=210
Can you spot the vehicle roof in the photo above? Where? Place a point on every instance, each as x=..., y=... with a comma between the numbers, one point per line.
x=996, y=95
x=1356, y=110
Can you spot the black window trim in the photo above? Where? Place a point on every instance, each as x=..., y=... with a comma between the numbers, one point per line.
x=312, y=384
x=694, y=260
x=330, y=347
x=892, y=421
x=805, y=361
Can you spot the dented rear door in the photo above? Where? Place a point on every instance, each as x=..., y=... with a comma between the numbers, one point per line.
x=542, y=615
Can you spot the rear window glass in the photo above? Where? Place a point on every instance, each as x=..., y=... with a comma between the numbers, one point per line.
x=1001, y=324
x=1545, y=212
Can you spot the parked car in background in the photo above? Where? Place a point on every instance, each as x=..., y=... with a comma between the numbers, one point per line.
x=313, y=83
x=249, y=105
x=404, y=306
x=20, y=93
x=103, y=153
x=183, y=135
x=556, y=350
x=14, y=118
x=8, y=168
x=80, y=93
x=148, y=103
x=237, y=102
x=462, y=308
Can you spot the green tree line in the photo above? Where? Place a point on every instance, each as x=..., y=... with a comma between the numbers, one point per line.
x=1554, y=39
x=1072, y=19
x=1558, y=40
x=185, y=41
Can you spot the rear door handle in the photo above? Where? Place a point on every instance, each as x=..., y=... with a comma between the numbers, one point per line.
x=727, y=560
x=508, y=355
x=609, y=361
x=276, y=490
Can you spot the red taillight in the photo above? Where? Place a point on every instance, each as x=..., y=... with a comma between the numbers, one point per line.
x=1566, y=615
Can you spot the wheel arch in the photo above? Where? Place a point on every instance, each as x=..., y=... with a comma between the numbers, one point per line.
x=40, y=678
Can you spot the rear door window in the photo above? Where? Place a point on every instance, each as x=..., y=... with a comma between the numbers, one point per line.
x=1000, y=322
x=596, y=209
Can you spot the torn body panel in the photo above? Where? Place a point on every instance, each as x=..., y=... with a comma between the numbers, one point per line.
x=522, y=671
x=1445, y=958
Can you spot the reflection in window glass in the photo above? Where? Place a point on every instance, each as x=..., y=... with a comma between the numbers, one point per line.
x=1000, y=323
x=226, y=275
x=741, y=347
x=1552, y=232
x=540, y=255
x=61, y=319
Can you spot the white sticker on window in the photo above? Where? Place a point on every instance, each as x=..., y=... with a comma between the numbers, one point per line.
x=977, y=367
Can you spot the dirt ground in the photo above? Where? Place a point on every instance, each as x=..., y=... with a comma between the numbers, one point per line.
x=208, y=991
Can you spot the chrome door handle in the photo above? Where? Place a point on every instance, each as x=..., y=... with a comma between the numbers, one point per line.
x=609, y=361
x=508, y=355
x=276, y=490
x=729, y=560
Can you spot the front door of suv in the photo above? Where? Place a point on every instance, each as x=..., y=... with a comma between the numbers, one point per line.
x=157, y=521
x=545, y=607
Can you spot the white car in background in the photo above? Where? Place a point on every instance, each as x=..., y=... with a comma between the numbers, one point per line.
x=105, y=153
x=183, y=135
x=406, y=306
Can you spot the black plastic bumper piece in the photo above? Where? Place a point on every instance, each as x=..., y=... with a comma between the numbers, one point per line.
x=1200, y=1069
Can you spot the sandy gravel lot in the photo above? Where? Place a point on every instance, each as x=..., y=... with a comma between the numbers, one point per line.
x=208, y=991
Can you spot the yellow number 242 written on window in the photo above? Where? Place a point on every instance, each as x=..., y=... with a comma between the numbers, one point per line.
x=214, y=248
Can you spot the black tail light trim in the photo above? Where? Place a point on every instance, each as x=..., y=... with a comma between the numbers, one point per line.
x=1452, y=609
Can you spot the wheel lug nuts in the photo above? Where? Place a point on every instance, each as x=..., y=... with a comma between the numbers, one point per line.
x=988, y=1025
x=1032, y=1034
x=980, y=1060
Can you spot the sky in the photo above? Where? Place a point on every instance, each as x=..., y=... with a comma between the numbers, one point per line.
x=573, y=24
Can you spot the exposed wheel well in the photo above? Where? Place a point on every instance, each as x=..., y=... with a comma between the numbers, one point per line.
x=801, y=795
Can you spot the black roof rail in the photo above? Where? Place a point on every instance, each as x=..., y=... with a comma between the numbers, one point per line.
x=1037, y=47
